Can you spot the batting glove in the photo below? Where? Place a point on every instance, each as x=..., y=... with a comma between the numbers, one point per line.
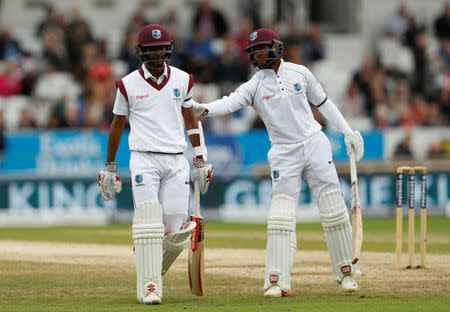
x=202, y=173
x=355, y=141
x=108, y=182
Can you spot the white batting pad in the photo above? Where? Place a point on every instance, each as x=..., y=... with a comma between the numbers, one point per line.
x=338, y=232
x=174, y=244
x=148, y=232
x=281, y=242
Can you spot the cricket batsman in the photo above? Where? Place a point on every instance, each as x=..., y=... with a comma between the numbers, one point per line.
x=157, y=99
x=281, y=93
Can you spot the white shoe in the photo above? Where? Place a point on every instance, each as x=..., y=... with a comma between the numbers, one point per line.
x=275, y=291
x=151, y=298
x=349, y=284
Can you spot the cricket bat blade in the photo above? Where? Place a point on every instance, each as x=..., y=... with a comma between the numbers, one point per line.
x=196, y=257
x=357, y=226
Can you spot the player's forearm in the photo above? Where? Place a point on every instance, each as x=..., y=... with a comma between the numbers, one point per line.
x=115, y=134
x=191, y=123
x=334, y=116
x=223, y=106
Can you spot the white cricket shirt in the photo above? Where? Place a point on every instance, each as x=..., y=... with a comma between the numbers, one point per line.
x=154, y=108
x=281, y=99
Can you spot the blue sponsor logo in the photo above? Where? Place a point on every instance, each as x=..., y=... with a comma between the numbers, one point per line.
x=297, y=87
x=176, y=92
x=138, y=178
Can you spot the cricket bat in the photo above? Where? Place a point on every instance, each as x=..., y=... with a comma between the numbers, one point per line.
x=356, y=211
x=196, y=258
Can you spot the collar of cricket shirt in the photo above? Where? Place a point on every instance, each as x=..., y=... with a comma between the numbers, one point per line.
x=148, y=74
x=145, y=73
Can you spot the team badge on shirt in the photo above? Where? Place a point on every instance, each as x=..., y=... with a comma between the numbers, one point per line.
x=176, y=92
x=138, y=178
x=156, y=33
x=253, y=36
x=297, y=87
x=275, y=174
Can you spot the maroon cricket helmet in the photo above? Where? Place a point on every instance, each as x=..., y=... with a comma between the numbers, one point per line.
x=261, y=36
x=153, y=35
x=264, y=36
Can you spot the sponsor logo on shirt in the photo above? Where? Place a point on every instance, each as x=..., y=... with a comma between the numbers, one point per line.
x=268, y=97
x=140, y=97
x=176, y=92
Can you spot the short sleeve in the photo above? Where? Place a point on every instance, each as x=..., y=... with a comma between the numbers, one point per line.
x=187, y=101
x=315, y=92
x=121, y=106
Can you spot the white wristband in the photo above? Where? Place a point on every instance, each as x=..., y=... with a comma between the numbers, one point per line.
x=198, y=151
x=193, y=131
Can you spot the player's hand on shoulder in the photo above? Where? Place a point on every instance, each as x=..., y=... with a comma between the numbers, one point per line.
x=199, y=109
x=355, y=141
x=109, y=182
x=202, y=173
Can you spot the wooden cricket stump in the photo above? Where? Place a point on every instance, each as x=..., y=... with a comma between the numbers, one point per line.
x=411, y=214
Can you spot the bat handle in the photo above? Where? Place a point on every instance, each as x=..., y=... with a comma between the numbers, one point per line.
x=202, y=141
x=196, y=199
x=353, y=175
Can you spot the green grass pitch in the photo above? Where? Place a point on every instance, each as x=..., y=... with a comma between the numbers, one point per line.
x=31, y=284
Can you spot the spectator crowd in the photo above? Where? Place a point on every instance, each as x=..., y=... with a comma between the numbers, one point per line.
x=70, y=84
x=398, y=96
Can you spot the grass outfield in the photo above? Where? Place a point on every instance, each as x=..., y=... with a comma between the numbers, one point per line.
x=379, y=235
x=58, y=281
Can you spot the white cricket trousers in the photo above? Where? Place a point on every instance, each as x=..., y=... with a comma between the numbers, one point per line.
x=311, y=159
x=162, y=178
